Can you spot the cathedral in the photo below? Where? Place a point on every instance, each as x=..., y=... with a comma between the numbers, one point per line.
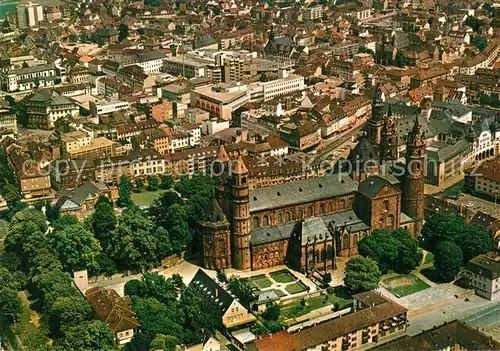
x=306, y=224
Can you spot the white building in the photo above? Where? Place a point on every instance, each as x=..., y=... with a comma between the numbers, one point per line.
x=284, y=85
x=150, y=62
x=75, y=141
x=483, y=274
x=213, y=125
x=28, y=78
x=101, y=108
x=312, y=13
x=29, y=15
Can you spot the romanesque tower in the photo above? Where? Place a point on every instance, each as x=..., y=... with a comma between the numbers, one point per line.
x=375, y=124
x=390, y=139
x=240, y=241
x=413, y=181
x=220, y=171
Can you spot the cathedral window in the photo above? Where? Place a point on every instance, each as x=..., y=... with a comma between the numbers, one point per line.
x=390, y=221
x=342, y=204
x=355, y=240
x=256, y=222
x=280, y=218
x=288, y=216
x=301, y=213
x=321, y=209
x=310, y=211
x=266, y=221
x=345, y=241
x=386, y=205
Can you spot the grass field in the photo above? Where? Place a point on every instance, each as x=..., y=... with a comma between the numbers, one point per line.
x=283, y=276
x=429, y=258
x=404, y=285
x=296, y=288
x=145, y=198
x=259, y=282
x=297, y=309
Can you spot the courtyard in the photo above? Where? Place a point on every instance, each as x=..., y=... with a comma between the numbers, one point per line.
x=403, y=285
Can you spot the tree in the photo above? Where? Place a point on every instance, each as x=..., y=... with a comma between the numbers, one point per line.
x=68, y=312
x=441, y=227
x=272, y=313
x=178, y=228
x=221, y=276
x=76, y=247
x=64, y=222
x=139, y=184
x=361, y=274
x=9, y=303
x=153, y=183
x=167, y=181
x=10, y=100
x=73, y=38
x=89, y=335
x=327, y=278
x=480, y=42
x=123, y=32
x=164, y=342
x=124, y=189
x=138, y=242
x=473, y=22
x=381, y=247
x=408, y=257
x=241, y=290
x=154, y=285
x=104, y=222
x=448, y=259
x=475, y=240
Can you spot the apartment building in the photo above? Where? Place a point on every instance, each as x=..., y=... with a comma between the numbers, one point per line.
x=302, y=136
x=311, y=13
x=73, y=141
x=485, y=180
x=43, y=108
x=151, y=62
x=33, y=180
x=483, y=274
x=146, y=163
x=21, y=79
x=374, y=319
x=343, y=117
x=445, y=161
x=190, y=161
x=134, y=76
x=109, y=170
x=29, y=14
x=8, y=123
x=97, y=148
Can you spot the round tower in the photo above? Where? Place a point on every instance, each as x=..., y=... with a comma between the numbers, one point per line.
x=240, y=240
x=413, y=181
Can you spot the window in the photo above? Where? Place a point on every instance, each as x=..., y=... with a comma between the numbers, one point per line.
x=256, y=222
x=310, y=211
x=301, y=213
x=321, y=209
x=345, y=241
x=342, y=204
x=266, y=221
x=288, y=216
x=280, y=218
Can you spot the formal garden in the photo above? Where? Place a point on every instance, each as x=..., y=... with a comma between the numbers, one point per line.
x=282, y=282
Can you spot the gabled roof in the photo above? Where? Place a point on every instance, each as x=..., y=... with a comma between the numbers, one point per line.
x=212, y=291
x=112, y=309
x=371, y=186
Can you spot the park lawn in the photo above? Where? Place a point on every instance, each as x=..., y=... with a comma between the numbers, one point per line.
x=24, y=325
x=404, y=285
x=296, y=288
x=429, y=258
x=283, y=276
x=145, y=198
x=259, y=281
x=313, y=303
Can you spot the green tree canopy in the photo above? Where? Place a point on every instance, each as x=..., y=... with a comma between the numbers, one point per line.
x=125, y=187
x=153, y=183
x=90, y=335
x=138, y=241
x=441, y=227
x=153, y=285
x=361, y=274
x=447, y=260
x=167, y=181
x=68, y=312
x=76, y=247
x=475, y=240
x=104, y=222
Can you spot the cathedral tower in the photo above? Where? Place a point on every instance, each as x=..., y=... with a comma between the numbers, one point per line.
x=375, y=124
x=220, y=171
x=240, y=241
x=390, y=140
x=413, y=181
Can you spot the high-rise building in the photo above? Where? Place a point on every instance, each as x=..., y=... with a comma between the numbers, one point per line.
x=29, y=14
